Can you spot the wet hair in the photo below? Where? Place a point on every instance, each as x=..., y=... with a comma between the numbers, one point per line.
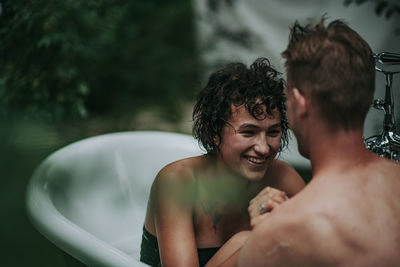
x=334, y=66
x=256, y=87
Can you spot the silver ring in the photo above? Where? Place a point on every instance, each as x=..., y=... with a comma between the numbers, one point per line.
x=261, y=208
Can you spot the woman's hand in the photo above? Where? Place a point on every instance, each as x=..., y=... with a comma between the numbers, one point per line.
x=260, y=206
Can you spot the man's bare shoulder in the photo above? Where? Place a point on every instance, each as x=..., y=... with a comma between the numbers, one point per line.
x=387, y=168
x=303, y=231
x=284, y=238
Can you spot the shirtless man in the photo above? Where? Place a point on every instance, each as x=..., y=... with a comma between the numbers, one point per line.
x=349, y=214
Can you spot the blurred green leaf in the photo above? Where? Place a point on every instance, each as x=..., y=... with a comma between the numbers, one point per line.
x=75, y=58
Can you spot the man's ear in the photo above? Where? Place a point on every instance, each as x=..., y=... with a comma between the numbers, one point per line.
x=301, y=102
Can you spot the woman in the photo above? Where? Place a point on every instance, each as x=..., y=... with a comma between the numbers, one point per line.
x=200, y=205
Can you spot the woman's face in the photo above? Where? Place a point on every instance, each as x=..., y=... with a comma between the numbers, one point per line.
x=247, y=145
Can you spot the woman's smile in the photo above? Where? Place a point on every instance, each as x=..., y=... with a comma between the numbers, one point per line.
x=256, y=160
x=247, y=144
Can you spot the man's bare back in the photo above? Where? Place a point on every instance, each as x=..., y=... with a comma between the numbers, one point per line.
x=355, y=217
x=352, y=222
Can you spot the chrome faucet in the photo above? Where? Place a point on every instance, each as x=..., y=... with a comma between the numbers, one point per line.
x=386, y=144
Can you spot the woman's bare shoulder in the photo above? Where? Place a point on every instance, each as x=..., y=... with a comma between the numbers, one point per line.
x=175, y=184
x=180, y=171
x=280, y=165
x=280, y=169
x=283, y=176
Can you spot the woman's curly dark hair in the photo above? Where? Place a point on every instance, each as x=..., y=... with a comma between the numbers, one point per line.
x=260, y=85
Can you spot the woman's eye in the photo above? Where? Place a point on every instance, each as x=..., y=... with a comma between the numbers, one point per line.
x=247, y=132
x=274, y=133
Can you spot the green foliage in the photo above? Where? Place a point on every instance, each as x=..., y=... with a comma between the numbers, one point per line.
x=215, y=5
x=72, y=58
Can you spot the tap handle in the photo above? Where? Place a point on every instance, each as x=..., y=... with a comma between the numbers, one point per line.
x=387, y=58
x=379, y=104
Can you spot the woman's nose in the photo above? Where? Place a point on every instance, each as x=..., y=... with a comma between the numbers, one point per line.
x=261, y=145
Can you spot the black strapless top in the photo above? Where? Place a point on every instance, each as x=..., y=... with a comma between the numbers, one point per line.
x=150, y=254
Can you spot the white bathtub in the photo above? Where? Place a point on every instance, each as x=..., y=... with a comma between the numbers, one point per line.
x=89, y=198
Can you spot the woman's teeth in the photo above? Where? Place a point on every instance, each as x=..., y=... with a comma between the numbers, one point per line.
x=256, y=160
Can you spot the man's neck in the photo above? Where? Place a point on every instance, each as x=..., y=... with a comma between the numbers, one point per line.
x=339, y=150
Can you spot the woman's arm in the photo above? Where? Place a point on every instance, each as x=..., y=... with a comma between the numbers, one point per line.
x=171, y=199
x=227, y=255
